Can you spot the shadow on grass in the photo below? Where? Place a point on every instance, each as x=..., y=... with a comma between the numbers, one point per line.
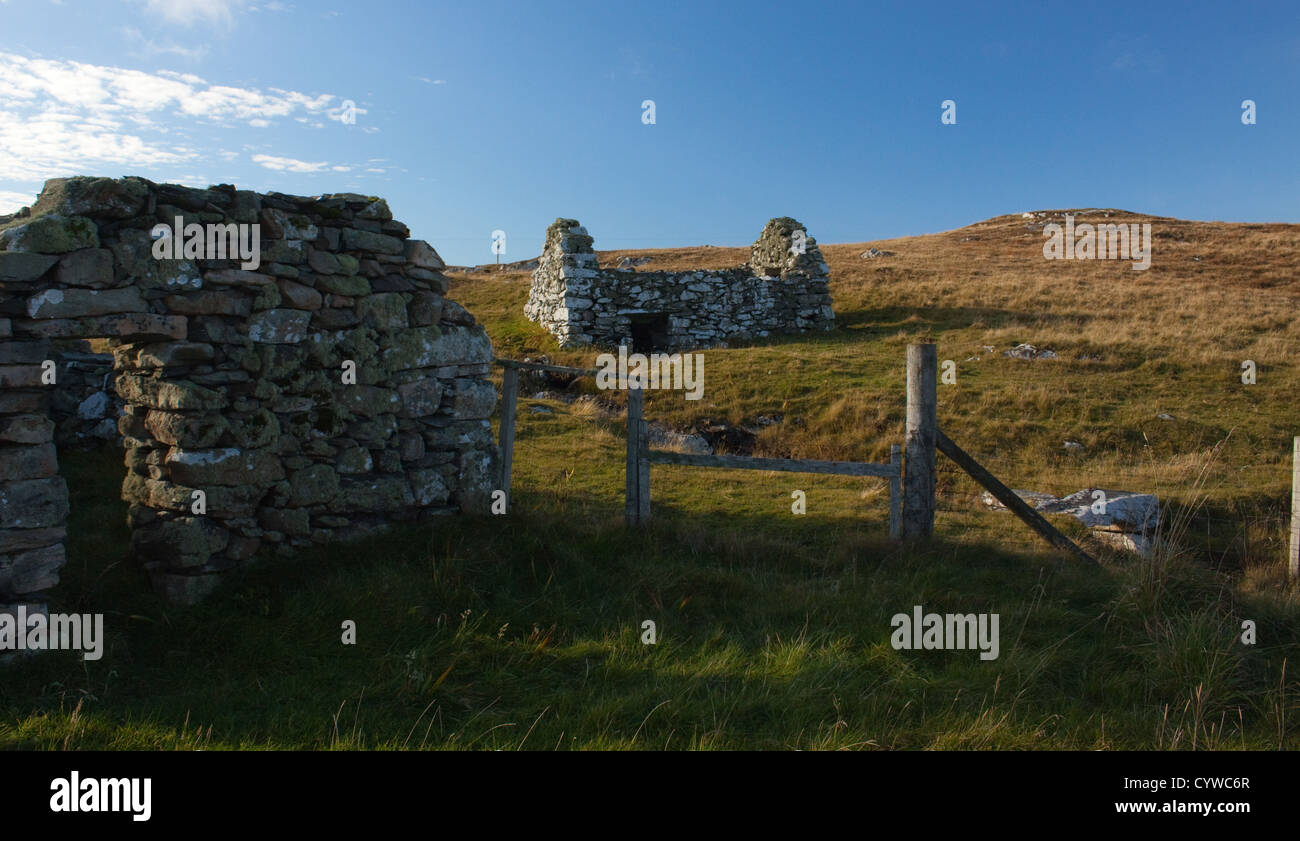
x=771, y=634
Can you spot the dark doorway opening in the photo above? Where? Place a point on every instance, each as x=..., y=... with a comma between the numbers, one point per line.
x=649, y=332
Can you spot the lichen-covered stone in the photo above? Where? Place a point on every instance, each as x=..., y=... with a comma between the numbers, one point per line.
x=51, y=234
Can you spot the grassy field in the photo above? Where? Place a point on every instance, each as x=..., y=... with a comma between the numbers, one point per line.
x=524, y=632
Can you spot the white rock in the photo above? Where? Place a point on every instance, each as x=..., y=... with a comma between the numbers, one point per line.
x=94, y=406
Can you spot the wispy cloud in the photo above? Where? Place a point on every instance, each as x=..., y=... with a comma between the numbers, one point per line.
x=64, y=117
x=196, y=12
x=10, y=200
x=289, y=164
x=429, y=81
x=143, y=45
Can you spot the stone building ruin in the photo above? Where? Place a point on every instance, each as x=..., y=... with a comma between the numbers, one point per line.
x=320, y=396
x=782, y=289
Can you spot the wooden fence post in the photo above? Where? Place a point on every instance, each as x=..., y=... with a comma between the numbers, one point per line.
x=509, y=398
x=922, y=426
x=896, y=492
x=1293, y=562
x=643, y=470
x=635, y=425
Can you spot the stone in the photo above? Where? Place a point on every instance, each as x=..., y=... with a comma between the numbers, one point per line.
x=168, y=354
x=343, y=285
x=1112, y=510
x=1028, y=351
x=106, y=198
x=355, y=240
x=334, y=319
x=79, y=303
x=425, y=309
x=28, y=462
x=293, y=521
x=33, y=503
x=31, y=571
x=26, y=429
x=420, y=398
x=185, y=429
x=283, y=326
x=209, y=303
x=384, y=311
x=91, y=267
x=426, y=347
x=454, y=313
x=128, y=326
x=157, y=393
x=323, y=262
x=298, y=296
x=95, y=406
x=276, y=224
x=238, y=277
x=17, y=266
x=369, y=400
x=421, y=255
x=354, y=460
x=377, y=209
x=372, y=495
x=473, y=399
x=428, y=487
x=21, y=376
x=51, y=234
x=314, y=485
x=224, y=466
x=20, y=540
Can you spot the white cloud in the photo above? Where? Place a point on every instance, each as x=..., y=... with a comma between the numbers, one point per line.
x=288, y=164
x=11, y=201
x=193, y=12
x=68, y=117
x=148, y=46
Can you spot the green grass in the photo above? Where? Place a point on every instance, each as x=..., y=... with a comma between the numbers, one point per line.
x=524, y=631
x=773, y=633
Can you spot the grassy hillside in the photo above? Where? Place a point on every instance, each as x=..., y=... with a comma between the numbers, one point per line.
x=774, y=629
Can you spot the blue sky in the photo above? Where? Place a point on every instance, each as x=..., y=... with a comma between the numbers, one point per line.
x=482, y=116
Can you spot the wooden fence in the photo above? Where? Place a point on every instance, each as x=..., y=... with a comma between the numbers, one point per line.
x=911, y=478
x=640, y=456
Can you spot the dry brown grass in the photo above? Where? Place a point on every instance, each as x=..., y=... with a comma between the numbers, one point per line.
x=1168, y=340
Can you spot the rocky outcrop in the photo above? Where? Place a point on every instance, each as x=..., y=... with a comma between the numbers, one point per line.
x=782, y=289
x=325, y=393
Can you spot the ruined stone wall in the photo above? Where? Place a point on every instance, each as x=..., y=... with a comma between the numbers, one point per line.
x=325, y=393
x=782, y=289
x=85, y=407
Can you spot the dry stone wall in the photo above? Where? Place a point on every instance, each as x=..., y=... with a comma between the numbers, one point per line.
x=782, y=289
x=322, y=391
